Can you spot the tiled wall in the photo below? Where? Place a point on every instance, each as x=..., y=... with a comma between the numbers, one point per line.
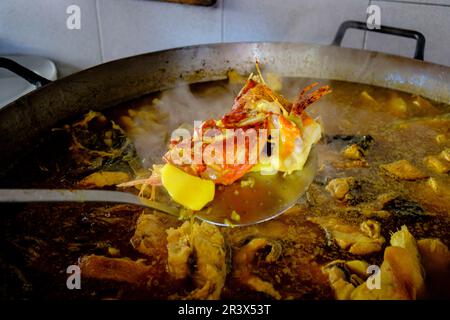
x=431, y=17
x=112, y=29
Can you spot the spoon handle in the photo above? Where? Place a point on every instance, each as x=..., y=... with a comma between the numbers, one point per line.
x=64, y=195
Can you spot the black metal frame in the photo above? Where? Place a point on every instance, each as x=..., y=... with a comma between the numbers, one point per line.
x=31, y=76
x=350, y=24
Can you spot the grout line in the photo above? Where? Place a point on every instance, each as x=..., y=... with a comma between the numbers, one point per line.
x=222, y=31
x=416, y=2
x=365, y=31
x=364, y=40
x=100, y=38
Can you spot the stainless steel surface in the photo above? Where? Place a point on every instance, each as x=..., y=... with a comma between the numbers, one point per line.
x=101, y=196
x=270, y=196
x=24, y=122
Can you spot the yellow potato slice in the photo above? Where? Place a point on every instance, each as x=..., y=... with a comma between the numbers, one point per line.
x=190, y=191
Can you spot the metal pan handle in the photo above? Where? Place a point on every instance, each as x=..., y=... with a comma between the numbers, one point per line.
x=31, y=76
x=350, y=24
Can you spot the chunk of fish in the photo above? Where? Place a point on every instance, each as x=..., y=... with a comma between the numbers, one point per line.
x=204, y=246
x=360, y=241
x=404, y=170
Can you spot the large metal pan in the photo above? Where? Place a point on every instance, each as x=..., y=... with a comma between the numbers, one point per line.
x=25, y=121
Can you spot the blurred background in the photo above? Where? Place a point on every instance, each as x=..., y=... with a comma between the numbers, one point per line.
x=112, y=29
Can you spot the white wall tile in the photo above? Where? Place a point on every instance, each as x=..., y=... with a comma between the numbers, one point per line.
x=430, y=2
x=432, y=21
x=129, y=27
x=132, y=27
x=292, y=20
x=39, y=28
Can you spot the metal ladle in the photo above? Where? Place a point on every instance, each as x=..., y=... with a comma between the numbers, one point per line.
x=267, y=198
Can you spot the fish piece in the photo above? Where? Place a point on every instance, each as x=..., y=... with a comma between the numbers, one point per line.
x=150, y=236
x=435, y=258
x=242, y=264
x=397, y=105
x=404, y=258
x=367, y=100
x=102, y=179
x=353, y=152
x=287, y=259
x=401, y=273
x=360, y=241
x=343, y=277
x=404, y=170
x=118, y=269
x=437, y=163
x=340, y=187
x=179, y=251
x=201, y=248
x=435, y=255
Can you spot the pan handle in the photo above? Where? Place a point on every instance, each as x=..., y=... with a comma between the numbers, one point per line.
x=350, y=24
x=31, y=76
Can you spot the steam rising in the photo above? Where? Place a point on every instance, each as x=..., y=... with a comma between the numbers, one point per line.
x=178, y=107
x=150, y=124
